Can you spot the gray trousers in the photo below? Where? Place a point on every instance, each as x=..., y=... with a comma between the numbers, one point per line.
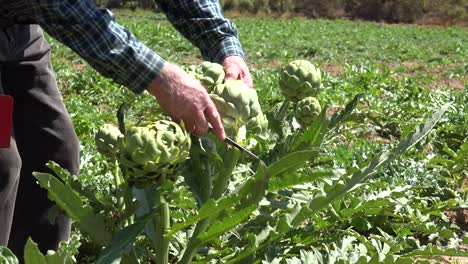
x=42, y=131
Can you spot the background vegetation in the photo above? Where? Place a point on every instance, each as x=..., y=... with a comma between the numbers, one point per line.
x=405, y=73
x=393, y=11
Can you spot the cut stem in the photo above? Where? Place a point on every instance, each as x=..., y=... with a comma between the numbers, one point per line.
x=231, y=158
x=162, y=225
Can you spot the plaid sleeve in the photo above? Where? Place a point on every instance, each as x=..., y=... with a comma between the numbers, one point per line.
x=95, y=35
x=204, y=25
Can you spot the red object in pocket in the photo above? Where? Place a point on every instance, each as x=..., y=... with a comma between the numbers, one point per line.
x=6, y=120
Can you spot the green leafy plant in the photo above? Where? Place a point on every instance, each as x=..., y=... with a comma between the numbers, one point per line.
x=144, y=229
x=398, y=214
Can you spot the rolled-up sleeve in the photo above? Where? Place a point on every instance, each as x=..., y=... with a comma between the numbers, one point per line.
x=94, y=34
x=204, y=25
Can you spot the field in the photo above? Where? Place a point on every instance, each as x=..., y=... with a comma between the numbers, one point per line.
x=413, y=208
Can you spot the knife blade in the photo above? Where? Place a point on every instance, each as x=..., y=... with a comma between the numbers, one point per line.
x=233, y=143
x=239, y=147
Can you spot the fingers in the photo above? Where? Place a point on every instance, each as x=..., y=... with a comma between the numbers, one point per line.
x=200, y=123
x=202, y=116
x=215, y=120
x=232, y=72
x=236, y=69
x=247, y=78
x=182, y=97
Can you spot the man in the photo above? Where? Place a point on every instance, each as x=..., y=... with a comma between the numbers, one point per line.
x=42, y=130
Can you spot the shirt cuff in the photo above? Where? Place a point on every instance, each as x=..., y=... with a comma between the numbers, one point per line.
x=229, y=46
x=145, y=67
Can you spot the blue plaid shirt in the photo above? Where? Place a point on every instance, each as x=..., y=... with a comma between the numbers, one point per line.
x=112, y=50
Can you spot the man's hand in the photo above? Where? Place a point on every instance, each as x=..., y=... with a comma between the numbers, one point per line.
x=183, y=97
x=236, y=69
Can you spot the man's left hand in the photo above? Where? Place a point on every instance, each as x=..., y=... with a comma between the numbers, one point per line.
x=236, y=69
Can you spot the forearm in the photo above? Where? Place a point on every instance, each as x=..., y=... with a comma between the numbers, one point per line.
x=94, y=35
x=204, y=25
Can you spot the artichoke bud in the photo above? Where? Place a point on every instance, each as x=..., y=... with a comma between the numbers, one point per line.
x=300, y=79
x=307, y=110
x=107, y=140
x=194, y=71
x=236, y=103
x=258, y=124
x=211, y=74
x=147, y=153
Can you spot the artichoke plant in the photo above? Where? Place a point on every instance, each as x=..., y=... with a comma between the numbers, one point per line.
x=107, y=140
x=154, y=151
x=299, y=79
x=237, y=104
x=208, y=73
x=258, y=124
x=212, y=74
x=307, y=110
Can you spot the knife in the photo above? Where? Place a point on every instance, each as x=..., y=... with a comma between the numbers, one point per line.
x=233, y=143
x=241, y=148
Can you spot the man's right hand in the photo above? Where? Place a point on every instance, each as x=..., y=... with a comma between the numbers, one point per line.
x=183, y=97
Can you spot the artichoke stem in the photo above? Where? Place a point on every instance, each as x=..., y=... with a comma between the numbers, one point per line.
x=117, y=179
x=118, y=182
x=283, y=110
x=193, y=244
x=231, y=157
x=162, y=225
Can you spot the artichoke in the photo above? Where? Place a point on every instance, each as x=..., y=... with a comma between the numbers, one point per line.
x=299, y=79
x=208, y=73
x=194, y=71
x=307, y=110
x=211, y=74
x=258, y=124
x=236, y=103
x=107, y=140
x=154, y=151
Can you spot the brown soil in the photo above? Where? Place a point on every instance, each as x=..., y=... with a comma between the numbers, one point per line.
x=333, y=69
x=459, y=217
x=453, y=83
x=79, y=66
x=378, y=139
x=331, y=110
x=104, y=107
x=412, y=68
x=191, y=60
x=266, y=65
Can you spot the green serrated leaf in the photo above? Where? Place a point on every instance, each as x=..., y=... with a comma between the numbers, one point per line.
x=340, y=116
x=384, y=158
x=7, y=257
x=71, y=202
x=123, y=240
x=219, y=226
x=314, y=134
x=250, y=195
x=260, y=241
x=287, y=180
x=32, y=254
x=210, y=208
x=292, y=161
